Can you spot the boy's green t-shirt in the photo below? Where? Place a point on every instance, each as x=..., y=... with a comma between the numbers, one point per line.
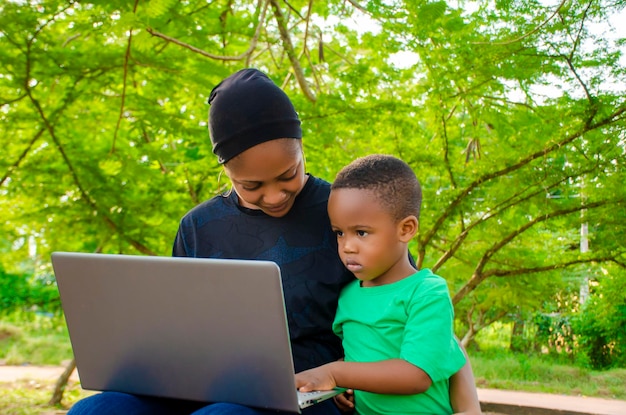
x=411, y=319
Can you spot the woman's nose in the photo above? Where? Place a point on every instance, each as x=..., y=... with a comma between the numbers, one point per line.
x=274, y=196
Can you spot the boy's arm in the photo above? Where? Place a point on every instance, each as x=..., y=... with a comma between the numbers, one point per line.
x=393, y=376
x=463, y=395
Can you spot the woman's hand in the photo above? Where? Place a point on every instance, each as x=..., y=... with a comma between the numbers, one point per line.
x=345, y=401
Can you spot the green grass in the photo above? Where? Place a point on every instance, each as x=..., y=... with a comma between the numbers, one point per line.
x=496, y=367
x=35, y=339
x=543, y=374
x=29, y=338
x=31, y=398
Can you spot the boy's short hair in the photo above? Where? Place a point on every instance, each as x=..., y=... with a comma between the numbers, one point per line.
x=392, y=181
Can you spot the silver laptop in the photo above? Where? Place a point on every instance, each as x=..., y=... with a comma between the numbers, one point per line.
x=209, y=330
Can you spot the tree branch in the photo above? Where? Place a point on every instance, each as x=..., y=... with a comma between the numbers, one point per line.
x=11, y=101
x=194, y=49
x=542, y=218
x=305, y=49
x=192, y=192
x=22, y=156
x=146, y=138
x=85, y=196
x=342, y=57
x=534, y=270
x=50, y=129
x=47, y=22
x=479, y=276
x=474, y=328
x=358, y=6
x=535, y=30
x=124, y=82
x=444, y=126
x=588, y=126
x=571, y=67
x=291, y=54
x=513, y=200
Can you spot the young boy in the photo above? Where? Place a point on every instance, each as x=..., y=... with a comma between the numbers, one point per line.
x=395, y=322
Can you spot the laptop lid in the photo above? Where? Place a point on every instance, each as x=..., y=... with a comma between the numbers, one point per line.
x=209, y=330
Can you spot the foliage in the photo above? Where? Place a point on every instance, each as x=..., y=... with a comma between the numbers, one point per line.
x=511, y=113
x=547, y=329
x=555, y=332
x=28, y=292
x=600, y=328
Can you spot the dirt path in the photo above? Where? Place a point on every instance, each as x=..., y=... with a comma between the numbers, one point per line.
x=13, y=373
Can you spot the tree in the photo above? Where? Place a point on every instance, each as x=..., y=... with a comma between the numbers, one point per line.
x=103, y=109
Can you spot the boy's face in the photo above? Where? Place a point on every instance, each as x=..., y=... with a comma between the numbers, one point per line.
x=372, y=244
x=269, y=176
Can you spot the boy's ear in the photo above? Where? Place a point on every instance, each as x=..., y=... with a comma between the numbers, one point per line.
x=407, y=228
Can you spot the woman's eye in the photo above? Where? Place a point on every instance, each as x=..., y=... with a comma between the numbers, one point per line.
x=251, y=188
x=287, y=179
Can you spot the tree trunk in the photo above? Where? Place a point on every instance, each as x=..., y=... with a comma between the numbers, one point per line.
x=59, y=388
x=517, y=336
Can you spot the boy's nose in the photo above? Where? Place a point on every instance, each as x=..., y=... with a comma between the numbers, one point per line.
x=348, y=246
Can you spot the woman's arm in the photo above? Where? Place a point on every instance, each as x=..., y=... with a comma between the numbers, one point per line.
x=463, y=395
x=393, y=376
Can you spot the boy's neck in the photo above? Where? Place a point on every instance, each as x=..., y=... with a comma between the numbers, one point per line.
x=397, y=273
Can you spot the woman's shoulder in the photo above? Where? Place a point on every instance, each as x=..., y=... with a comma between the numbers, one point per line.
x=318, y=184
x=315, y=193
x=209, y=208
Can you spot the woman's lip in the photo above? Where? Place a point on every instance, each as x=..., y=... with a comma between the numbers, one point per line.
x=278, y=208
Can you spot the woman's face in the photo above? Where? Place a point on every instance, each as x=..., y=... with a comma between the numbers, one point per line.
x=269, y=175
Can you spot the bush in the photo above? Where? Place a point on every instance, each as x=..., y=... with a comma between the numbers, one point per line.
x=25, y=291
x=554, y=333
x=600, y=328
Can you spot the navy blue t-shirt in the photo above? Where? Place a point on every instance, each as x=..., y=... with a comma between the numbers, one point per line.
x=301, y=243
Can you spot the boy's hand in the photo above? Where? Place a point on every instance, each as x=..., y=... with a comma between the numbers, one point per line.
x=316, y=379
x=345, y=401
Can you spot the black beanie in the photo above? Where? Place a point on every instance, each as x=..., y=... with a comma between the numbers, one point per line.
x=247, y=109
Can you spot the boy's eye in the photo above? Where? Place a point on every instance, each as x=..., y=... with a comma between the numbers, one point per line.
x=339, y=233
x=361, y=233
